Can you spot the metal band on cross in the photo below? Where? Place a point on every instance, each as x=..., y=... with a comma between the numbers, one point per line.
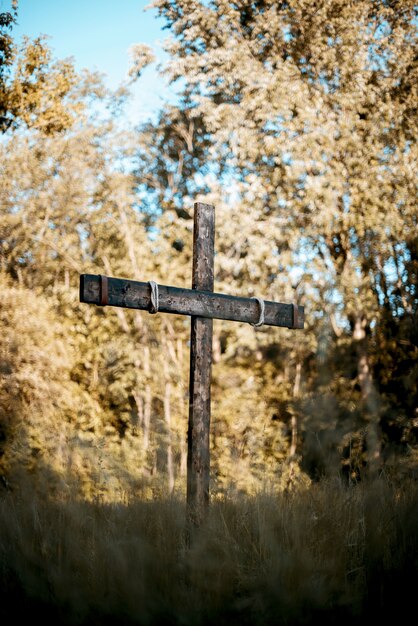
x=154, y=297
x=262, y=309
x=104, y=290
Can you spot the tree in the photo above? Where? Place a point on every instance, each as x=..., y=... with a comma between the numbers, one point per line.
x=68, y=207
x=286, y=123
x=34, y=91
x=311, y=110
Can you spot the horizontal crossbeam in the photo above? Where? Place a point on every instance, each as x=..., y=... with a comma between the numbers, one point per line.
x=136, y=295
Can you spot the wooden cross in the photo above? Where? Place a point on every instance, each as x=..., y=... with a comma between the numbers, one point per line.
x=202, y=304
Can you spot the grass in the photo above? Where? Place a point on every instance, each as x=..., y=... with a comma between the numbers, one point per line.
x=329, y=554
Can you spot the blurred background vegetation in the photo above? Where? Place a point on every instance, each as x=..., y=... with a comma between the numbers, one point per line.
x=298, y=121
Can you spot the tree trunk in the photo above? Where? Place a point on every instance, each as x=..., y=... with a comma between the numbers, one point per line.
x=147, y=399
x=167, y=417
x=369, y=394
x=182, y=405
x=294, y=419
x=168, y=350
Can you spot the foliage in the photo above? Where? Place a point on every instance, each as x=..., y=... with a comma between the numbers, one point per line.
x=299, y=125
x=34, y=90
x=311, y=112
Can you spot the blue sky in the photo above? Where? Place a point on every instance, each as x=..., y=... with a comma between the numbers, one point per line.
x=98, y=34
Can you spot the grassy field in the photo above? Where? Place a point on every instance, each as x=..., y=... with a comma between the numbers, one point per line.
x=330, y=554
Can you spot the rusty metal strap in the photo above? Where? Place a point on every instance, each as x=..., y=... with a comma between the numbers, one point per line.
x=104, y=290
x=295, y=316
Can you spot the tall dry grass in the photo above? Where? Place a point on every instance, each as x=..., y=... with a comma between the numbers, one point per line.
x=328, y=554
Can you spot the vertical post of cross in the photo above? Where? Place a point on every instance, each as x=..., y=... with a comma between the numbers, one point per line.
x=198, y=463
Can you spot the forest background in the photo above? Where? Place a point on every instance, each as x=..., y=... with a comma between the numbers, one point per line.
x=298, y=121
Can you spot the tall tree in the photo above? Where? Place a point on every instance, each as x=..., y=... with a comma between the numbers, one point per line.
x=35, y=91
x=311, y=110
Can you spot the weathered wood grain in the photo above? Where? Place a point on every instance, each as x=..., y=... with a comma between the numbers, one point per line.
x=203, y=303
x=198, y=461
